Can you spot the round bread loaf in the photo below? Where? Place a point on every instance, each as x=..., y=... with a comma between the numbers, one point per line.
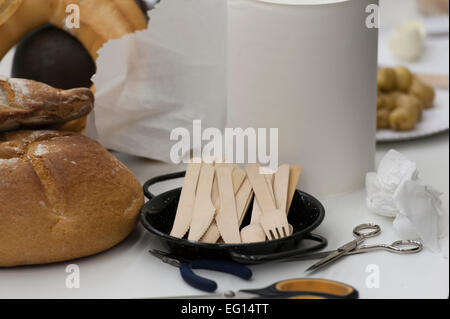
x=62, y=196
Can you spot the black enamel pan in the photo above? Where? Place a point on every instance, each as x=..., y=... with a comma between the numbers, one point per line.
x=306, y=214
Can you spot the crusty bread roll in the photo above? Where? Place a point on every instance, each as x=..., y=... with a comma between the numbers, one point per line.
x=31, y=104
x=62, y=196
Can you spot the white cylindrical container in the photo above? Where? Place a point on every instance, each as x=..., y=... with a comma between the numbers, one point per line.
x=307, y=68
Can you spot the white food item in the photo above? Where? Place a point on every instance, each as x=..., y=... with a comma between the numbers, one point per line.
x=407, y=41
x=395, y=190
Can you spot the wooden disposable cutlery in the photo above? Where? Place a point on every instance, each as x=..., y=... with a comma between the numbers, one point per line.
x=227, y=217
x=215, y=198
x=273, y=221
x=204, y=209
x=281, y=186
x=212, y=235
x=186, y=203
x=254, y=232
x=281, y=191
x=294, y=176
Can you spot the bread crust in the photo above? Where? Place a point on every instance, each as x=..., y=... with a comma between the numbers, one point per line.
x=62, y=196
x=31, y=104
x=101, y=20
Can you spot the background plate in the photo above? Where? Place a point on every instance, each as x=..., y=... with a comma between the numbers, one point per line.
x=435, y=120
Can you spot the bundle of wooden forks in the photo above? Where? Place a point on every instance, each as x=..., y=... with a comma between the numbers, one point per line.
x=216, y=196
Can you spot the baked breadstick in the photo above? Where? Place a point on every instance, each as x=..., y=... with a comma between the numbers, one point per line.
x=31, y=104
x=407, y=113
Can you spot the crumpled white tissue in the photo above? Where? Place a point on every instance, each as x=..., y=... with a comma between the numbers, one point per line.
x=395, y=190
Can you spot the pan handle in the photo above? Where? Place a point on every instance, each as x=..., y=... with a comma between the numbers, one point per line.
x=160, y=179
x=258, y=259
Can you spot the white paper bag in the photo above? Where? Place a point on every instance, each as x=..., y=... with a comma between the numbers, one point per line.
x=180, y=77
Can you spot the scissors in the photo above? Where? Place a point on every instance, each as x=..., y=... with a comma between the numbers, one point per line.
x=197, y=281
x=361, y=232
x=303, y=288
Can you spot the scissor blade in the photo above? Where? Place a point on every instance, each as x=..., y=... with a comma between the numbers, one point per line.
x=327, y=260
x=156, y=253
x=312, y=256
x=165, y=258
x=225, y=295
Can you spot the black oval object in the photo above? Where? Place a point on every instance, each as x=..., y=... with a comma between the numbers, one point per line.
x=306, y=214
x=54, y=57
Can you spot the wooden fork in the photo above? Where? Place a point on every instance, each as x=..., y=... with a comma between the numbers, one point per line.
x=274, y=221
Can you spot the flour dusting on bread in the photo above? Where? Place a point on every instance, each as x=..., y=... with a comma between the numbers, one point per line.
x=40, y=150
x=3, y=98
x=20, y=86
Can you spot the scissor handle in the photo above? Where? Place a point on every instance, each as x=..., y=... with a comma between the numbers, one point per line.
x=366, y=230
x=307, y=288
x=398, y=247
x=405, y=246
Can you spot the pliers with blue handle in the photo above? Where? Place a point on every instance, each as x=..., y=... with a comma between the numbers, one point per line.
x=197, y=281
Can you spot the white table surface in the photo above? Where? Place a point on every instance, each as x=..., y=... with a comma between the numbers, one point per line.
x=128, y=271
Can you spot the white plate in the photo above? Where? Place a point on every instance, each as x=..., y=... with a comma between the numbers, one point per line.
x=434, y=120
